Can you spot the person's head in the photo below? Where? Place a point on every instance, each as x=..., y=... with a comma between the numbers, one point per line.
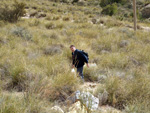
x=72, y=48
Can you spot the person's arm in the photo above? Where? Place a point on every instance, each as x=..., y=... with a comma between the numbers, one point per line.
x=73, y=61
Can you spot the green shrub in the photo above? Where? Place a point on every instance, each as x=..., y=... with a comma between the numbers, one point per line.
x=138, y=14
x=110, y=9
x=12, y=14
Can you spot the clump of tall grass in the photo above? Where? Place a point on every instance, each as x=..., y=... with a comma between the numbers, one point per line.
x=34, y=22
x=63, y=85
x=124, y=93
x=52, y=35
x=114, y=60
x=53, y=49
x=17, y=103
x=106, y=42
x=14, y=75
x=53, y=25
x=86, y=33
x=91, y=74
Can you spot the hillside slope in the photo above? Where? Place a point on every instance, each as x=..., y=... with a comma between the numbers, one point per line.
x=35, y=58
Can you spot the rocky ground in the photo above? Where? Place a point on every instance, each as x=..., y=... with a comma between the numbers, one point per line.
x=80, y=105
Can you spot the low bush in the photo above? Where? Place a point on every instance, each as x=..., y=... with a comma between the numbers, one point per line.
x=12, y=14
x=110, y=10
x=21, y=32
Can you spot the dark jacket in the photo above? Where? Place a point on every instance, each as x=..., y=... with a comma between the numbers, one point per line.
x=79, y=58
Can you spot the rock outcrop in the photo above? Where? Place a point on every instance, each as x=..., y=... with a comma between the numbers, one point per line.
x=87, y=99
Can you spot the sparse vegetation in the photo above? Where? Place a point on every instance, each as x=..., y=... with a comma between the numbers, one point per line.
x=35, y=59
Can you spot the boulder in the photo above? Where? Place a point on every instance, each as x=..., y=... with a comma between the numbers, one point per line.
x=76, y=108
x=145, y=28
x=146, y=11
x=86, y=98
x=56, y=109
x=108, y=109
